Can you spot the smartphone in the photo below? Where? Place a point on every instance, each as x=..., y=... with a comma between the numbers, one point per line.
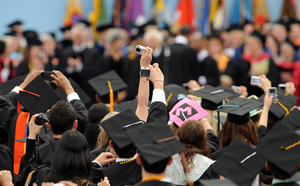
x=145, y=72
x=255, y=80
x=282, y=86
x=273, y=92
x=46, y=75
x=234, y=87
x=139, y=49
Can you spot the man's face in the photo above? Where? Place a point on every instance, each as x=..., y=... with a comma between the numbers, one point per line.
x=77, y=36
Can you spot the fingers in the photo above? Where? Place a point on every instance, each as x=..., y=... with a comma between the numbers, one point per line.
x=35, y=116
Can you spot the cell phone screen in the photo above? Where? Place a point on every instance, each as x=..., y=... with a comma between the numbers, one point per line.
x=256, y=80
x=272, y=90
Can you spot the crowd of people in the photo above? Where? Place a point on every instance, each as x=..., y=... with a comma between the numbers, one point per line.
x=79, y=112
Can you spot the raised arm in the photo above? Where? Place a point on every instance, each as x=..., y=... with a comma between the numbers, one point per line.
x=143, y=92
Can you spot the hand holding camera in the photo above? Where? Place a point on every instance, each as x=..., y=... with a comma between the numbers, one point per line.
x=62, y=82
x=35, y=128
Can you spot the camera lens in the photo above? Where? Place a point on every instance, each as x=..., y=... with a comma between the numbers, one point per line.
x=138, y=50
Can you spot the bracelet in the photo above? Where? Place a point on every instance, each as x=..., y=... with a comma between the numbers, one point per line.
x=145, y=80
x=203, y=120
x=159, y=80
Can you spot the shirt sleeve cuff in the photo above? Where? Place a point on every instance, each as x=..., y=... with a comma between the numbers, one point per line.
x=97, y=163
x=79, y=67
x=158, y=96
x=69, y=71
x=72, y=97
x=16, y=89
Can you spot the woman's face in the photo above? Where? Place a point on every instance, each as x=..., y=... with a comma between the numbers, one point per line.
x=287, y=51
x=279, y=33
x=9, y=47
x=117, y=44
x=35, y=51
x=49, y=46
x=236, y=39
x=253, y=45
x=215, y=47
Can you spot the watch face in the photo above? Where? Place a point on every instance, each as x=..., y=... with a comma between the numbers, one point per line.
x=145, y=73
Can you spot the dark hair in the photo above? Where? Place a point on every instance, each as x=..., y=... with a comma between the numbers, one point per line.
x=62, y=117
x=156, y=168
x=106, y=98
x=71, y=159
x=185, y=30
x=271, y=121
x=246, y=132
x=174, y=127
x=126, y=152
x=279, y=173
x=2, y=47
x=193, y=137
x=97, y=112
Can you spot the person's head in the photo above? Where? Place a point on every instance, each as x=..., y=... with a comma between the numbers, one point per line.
x=215, y=46
x=196, y=41
x=253, y=45
x=248, y=29
x=193, y=137
x=279, y=33
x=236, y=38
x=62, y=117
x=156, y=168
x=153, y=38
x=185, y=31
x=49, y=43
x=287, y=51
x=71, y=159
x=294, y=32
x=279, y=173
x=103, y=138
x=246, y=132
x=126, y=152
x=2, y=47
x=115, y=39
x=9, y=44
x=224, y=36
x=106, y=98
x=97, y=112
x=78, y=33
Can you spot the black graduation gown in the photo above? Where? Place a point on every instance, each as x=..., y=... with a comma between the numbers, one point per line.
x=286, y=184
x=154, y=182
x=6, y=160
x=96, y=152
x=23, y=68
x=208, y=68
x=179, y=68
x=119, y=174
x=242, y=76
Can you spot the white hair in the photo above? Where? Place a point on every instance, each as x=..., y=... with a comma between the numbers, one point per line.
x=81, y=27
x=46, y=37
x=114, y=34
x=156, y=33
x=7, y=39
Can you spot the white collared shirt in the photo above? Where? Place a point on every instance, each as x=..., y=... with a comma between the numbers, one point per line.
x=125, y=159
x=80, y=48
x=181, y=39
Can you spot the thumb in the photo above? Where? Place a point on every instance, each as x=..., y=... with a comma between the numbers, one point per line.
x=151, y=67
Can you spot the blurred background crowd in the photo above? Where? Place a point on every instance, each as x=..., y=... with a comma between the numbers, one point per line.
x=207, y=41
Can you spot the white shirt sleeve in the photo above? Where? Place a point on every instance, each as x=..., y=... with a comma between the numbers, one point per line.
x=158, y=95
x=97, y=163
x=16, y=89
x=79, y=67
x=72, y=97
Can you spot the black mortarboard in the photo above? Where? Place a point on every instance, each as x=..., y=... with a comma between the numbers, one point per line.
x=117, y=126
x=12, y=33
x=34, y=42
x=235, y=27
x=2, y=47
x=15, y=23
x=238, y=109
x=102, y=28
x=100, y=84
x=7, y=86
x=30, y=34
x=132, y=104
x=66, y=28
x=239, y=162
x=222, y=119
x=281, y=148
x=86, y=22
x=292, y=97
x=230, y=91
x=37, y=96
x=211, y=97
x=52, y=34
x=286, y=24
x=259, y=36
x=292, y=120
x=282, y=107
x=173, y=94
x=215, y=182
x=257, y=110
x=83, y=96
x=155, y=142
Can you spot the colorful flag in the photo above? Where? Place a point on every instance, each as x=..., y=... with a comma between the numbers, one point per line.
x=248, y=10
x=136, y=9
x=275, y=9
x=260, y=12
x=235, y=13
x=185, y=11
x=288, y=10
x=74, y=12
x=213, y=9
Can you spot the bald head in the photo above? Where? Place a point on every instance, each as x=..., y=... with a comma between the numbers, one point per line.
x=196, y=41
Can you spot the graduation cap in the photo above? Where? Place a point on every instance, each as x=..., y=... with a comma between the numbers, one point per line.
x=30, y=34
x=52, y=34
x=259, y=36
x=229, y=90
x=292, y=120
x=292, y=97
x=117, y=126
x=83, y=96
x=37, y=96
x=281, y=148
x=222, y=119
x=132, y=104
x=15, y=23
x=238, y=109
x=211, y=96
x=102, y=28
x=235, y=27
x=257, y=110
x=173, y=93
x=282, y=107
x=155, y=142
x=239, y=162
x=32, y=41
x=2, y=47
x=7, y=86
x=216, y=182
x=66, y=28
x=106, y=83
x=185, y=110
x=12, y=33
